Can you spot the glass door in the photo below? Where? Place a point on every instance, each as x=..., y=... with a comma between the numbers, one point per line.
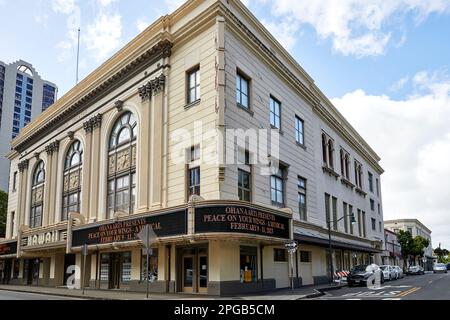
x=188, y=274
x=203, y=274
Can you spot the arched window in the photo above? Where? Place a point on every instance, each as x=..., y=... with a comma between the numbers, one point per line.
x=324, y=149
x=72, y=180
x=331, y=154
x=37, y=196
x=122, y=165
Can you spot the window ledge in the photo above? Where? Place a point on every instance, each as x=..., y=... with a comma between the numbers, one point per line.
x=331, y=172
x=192, y=104
x=279, y=130
x=347, y=183
x=360, y=192
x=303, y=146
x=248, y=110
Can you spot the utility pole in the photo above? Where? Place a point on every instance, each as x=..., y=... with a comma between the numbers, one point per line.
x=78, y=53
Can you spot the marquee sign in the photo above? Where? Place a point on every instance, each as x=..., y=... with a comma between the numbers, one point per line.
x=241, y=219
x=8, y=248
x=164, y=225
x=44, y=238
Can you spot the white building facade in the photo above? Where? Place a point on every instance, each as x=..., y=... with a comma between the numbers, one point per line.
x=415, y=228
x=101, y=164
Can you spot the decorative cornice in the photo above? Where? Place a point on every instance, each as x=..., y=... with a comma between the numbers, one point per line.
x=153, y=87
x=93, y=123
x=37, y=155
x=161, y=50
x=23, y=165
x=52, y=147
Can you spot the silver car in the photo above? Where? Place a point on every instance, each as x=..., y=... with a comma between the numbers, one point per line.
x=440, y=268
x=399, y=271
x=389, y=272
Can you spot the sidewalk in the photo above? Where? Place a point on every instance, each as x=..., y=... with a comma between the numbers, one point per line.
x=284, y=294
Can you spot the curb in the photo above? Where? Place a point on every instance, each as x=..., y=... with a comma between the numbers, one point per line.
x=59, y=295
x=320, y=292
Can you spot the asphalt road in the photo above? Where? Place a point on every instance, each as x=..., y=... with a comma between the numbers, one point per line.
x=424, y=287
x=12, y=295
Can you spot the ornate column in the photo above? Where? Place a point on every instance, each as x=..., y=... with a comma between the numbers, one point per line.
x=23, y=190
x=50, y=183
x=93, y=129
x=86, y=172
x=151, y=156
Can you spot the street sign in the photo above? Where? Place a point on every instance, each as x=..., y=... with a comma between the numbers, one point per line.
x=291, y=247
x=148, y=236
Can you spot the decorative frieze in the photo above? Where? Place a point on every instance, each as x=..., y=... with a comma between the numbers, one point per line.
x=52, y=147
x=23, y=165
x=153, y=87
x=93, y=123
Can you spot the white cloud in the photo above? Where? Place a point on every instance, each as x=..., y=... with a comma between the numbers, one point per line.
x=173, y=4
x=400, y=84
x=285, y=32
x=356, y=27
x=142, y=24
x=104, y=35
x=106, y=3
x=412, y=136
x=64, y=6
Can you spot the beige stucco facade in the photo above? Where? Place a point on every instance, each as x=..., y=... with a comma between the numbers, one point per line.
x=200, y=246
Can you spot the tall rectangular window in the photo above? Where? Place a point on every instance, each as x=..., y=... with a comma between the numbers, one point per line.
x=299, y=130
x=302, y=209
x=277, y=188
x=350, y=212
x=371, y=182
x=364, y=224
x=345, y=215
x=378, y=187
x=327, y=208
x=13, y=220
x=374, y=224
x=379, y=209
x=360, y=231
x=335, y=214
x=242, y=90
x=193, y=85
x=194, y=182
x=14, y=186
x=372, y=204
x=195, y=153
x=275, y=113
x=244, y=186
x=379, y=224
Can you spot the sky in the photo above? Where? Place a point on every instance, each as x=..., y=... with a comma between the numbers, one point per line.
x=384, y=64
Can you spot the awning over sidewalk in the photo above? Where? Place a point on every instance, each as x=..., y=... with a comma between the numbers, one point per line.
x=336, y=244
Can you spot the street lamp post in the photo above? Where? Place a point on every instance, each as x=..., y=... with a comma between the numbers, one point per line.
x=330, y=253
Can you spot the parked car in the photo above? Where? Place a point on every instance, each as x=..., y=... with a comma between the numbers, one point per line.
x=359, y=275
x=448, y=266
x=415, y=270
x=399, y=272
x=440, y=268
x=389, y=272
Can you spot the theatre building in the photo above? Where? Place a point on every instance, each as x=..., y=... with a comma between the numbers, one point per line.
x=144, y=140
